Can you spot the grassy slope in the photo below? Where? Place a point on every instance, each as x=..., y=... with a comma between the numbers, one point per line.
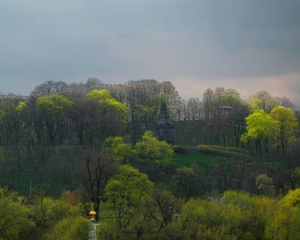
x=193, y=156
x=63, y=165
x=57, y=172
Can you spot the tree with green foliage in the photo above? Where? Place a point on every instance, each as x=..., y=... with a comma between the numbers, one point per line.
x=292, y=198
x=84, y=120
x=232, y=117
x=152, y=151
x=51, y=118
x=58, y=218
x=231, y=97
x=287, y=126
x=283, y=224
x=262, y=100
x=124, y=194
x=95, y=117
x=105, y=97
x=70, y=228
x=168, y=206
x=10, y=124
x=207, y=103
x=240, y=199
x=25, y=117
x=260, y=127
x=103, y=116
x=123, y=152
x=153, y=104
x=15, y=221
x=264, y=185
x=238, y=216
x=185, y=181
x=295, y=178
x=210, y=220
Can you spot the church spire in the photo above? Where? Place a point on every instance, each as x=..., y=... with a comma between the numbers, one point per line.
x=164, y=130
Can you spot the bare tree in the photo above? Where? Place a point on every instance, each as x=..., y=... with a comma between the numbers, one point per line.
x=95, y=169
x=193, y=109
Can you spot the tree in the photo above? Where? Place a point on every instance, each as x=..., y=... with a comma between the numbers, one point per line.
x=105, y=97
x=260, y=127
x=293, y=198
x=122, y=152
x=93, y=123
x=168, y=206
x=112, y=115
x=58, y=219
x=211, y=103
x=96, y=117
x=52, y=118
x=154, y=213
x=14, y=216
x=232, y=118
x=240, y=199
x=262, y=101
x=264, y=185
x=124, y=194
x=185, y=181
x=282, y=224
x=49, y=88
x=207, y=103
x=10, y=124
x=153, y=105
x=286, y=102
x=287, y=126
x=193, y=109
x=137, y=94
x=152, y=151
x=295, y=178
x=143, y=99
x=73, y=227
x=231, y=97
x=210, y=220
x=96, y=169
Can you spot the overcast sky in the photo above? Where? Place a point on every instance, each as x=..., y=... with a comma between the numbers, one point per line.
x=249, y=45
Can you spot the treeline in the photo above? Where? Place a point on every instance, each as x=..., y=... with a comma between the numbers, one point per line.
x=92, y=140
x=57, y=120
x=58, y=113
x=40, y=217
x=48, y=133
x=135, y=208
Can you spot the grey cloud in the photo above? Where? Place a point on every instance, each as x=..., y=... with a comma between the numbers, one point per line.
x=118, y=40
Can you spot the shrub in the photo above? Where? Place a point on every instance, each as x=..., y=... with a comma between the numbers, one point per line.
x=179, y=149
x=222, y=151
x=205, y=149
x=230, y=149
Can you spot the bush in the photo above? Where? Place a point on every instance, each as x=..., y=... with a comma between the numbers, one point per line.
x=230, y=149
x=222, y=151
x=205, y=149
x=179, y=149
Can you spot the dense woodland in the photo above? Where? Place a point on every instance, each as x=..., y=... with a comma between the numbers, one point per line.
x=233, y=173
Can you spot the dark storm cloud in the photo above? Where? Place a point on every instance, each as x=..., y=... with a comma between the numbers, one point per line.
x=205, y=42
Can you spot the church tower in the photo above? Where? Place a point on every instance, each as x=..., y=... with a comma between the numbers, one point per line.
x=164, y=129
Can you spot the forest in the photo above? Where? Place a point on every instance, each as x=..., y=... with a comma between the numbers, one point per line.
x=67, y=149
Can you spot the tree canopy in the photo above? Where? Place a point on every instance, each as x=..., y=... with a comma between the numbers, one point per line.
x=152, y=151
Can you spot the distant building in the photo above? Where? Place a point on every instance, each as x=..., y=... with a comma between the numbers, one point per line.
x=164, y=129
